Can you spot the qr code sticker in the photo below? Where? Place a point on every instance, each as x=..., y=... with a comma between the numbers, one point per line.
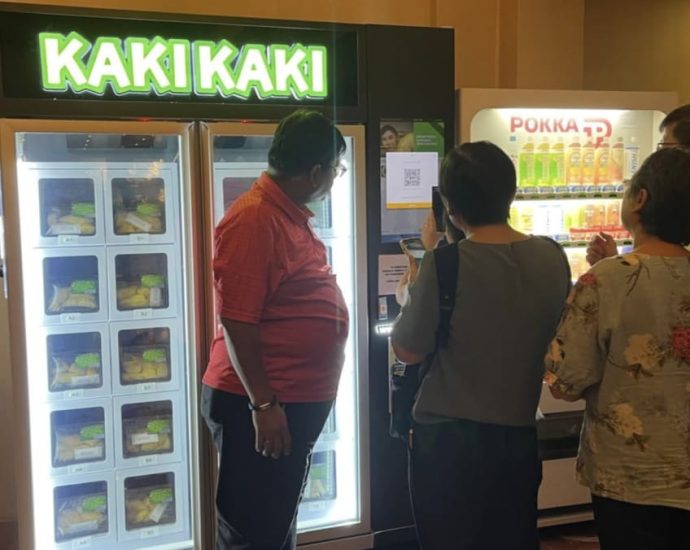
x=413, y=177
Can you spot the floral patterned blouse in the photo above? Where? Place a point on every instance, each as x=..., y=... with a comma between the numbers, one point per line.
x=624, y=345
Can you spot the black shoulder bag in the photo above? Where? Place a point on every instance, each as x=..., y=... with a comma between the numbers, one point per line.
x=404, y=380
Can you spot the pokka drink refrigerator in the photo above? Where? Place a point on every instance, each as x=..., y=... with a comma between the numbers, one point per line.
x=573, y=152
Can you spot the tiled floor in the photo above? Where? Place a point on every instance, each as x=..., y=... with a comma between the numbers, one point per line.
x=570, y=537
x=564, y=537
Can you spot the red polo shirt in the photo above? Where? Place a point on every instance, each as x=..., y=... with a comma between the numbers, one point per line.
x=270, y=269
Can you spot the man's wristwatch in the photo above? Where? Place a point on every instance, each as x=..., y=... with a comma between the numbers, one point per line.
x=263, y=406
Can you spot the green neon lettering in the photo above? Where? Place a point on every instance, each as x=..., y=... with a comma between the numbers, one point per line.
x=180, y=52
x=61, y=65
x=148, y=63
x=318, y=65
x=212, y=74
x=107, y=66
x=176, y=66
x=252, y=71
x=289, y=70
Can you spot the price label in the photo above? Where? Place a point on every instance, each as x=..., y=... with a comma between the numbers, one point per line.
x=74, y=394
x=67, y=239
x=148, y=460
x=70, y=317
x=316, y=506
x=142, y=313
x=150, y=532
x=146, y=387
x=139, y=238
x=77, y=469
x=84, y=542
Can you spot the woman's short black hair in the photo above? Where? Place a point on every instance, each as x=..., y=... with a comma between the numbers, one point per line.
x=666, y=177
x=478, y=181
x=303, y=140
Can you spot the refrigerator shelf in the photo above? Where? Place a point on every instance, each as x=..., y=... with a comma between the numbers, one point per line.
x=566, y=195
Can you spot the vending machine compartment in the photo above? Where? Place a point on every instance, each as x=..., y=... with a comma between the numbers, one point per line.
x=71, y=285
x=147, y=429
x=146, y=356
x=68, y=206
x=78, y=436
x=141, y=203
x=81, y=510
x=138, y=205
x=75, y=361
x=149, y=500
x=144, y=282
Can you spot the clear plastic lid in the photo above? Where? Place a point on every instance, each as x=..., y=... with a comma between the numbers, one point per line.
x=78, y=436
x=67, y=206
x=71, y=284
x=74, y=361
x=80, y=510
x=138, y=205
x=149, y=501
x=147, y=429
x=141, y=281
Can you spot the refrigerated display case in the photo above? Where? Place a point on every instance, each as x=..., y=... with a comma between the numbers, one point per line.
x=573, y=153
x=107, y=331
x=335, y=488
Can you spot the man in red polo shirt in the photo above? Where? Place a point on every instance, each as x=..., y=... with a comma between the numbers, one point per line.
x=276, y=360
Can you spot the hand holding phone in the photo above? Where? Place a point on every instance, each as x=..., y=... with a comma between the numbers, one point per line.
x=413, y=247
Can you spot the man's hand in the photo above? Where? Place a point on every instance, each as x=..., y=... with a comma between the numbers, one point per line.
x=601, y=246
x=272, y=432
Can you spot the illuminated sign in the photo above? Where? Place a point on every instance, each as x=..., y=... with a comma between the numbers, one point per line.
x=592, y=127
x=175, y=66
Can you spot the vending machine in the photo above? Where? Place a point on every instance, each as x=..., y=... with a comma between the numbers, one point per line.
x=123, y=139
x=573, y=153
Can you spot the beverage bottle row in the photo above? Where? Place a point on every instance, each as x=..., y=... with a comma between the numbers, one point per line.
x=566, y=221
x=589, y=163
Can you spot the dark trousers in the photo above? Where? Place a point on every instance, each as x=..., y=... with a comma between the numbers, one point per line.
x=257, y=497
x=627, y=526
x=474, y=486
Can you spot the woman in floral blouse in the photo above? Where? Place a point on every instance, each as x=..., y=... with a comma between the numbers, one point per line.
x=624, y=346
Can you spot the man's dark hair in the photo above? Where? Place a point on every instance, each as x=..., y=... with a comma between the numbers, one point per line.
x=478, y=181
x=675, y=116
x=666, y=177
x=303, y=140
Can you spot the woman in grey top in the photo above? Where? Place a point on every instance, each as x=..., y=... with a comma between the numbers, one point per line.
x=624, y=347
x=474, y=466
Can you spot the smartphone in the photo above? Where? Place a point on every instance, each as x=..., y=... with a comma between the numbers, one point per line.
x=414, y=247
x=438, y=208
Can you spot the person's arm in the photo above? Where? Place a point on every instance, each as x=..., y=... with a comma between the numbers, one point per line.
x=246, y=269
x=576, y=356
x=271, y=427
x=414, y=331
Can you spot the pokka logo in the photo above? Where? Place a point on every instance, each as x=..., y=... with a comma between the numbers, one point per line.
x=174, y=66
x=594, y=128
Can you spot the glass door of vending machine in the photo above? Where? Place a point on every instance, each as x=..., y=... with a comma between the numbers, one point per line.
x=335, y=501
x=100, y=275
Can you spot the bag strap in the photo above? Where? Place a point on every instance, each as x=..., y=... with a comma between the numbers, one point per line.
x=447, y=261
